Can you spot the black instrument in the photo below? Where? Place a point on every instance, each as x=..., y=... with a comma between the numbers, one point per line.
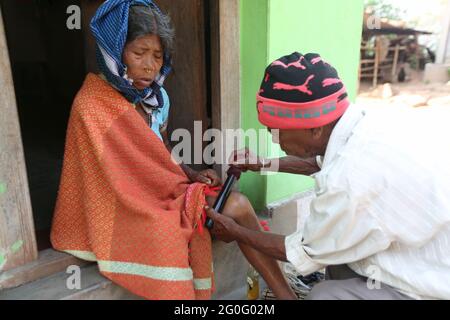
x=233, y=174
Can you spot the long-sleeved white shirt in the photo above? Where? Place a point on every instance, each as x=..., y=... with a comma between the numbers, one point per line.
x=382, y=202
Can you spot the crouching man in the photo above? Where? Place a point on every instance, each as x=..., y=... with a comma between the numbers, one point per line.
x=380, y=219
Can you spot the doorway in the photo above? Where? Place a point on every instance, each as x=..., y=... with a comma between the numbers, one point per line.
x=49, y=63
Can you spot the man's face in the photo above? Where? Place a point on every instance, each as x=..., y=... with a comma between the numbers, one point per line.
x=301, y=143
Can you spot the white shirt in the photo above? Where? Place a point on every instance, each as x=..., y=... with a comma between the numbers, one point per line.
x=382, y=201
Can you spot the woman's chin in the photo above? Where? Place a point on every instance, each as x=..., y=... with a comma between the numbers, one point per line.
x=139, y=87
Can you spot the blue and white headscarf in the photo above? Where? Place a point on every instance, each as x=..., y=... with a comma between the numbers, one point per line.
x=110, y=29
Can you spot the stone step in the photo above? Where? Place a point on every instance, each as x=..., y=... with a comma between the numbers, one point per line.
x=55, y=287
x=230, y=269
x=93, y=286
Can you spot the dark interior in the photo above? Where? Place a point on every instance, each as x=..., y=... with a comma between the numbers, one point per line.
x=48, y=68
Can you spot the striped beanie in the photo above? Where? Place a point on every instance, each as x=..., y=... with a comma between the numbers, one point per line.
x=301, y=92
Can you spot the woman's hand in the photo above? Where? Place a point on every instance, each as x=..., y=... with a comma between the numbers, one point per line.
x=208, y=176
x=244, y=160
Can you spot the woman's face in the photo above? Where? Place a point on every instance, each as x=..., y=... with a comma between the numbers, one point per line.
x=144, y=59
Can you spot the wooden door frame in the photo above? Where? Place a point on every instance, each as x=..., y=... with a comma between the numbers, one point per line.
x=16, y=216
x=17, y=234
x=225, y=67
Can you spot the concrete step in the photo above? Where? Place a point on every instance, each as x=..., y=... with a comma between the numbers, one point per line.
x=230, y=269
x=289, y=215
x=93, y=286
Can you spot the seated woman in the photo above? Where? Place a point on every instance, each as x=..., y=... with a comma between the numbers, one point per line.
x=123, y=202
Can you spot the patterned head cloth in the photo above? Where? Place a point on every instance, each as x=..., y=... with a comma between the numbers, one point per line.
x=110, y=28
x=300, y=92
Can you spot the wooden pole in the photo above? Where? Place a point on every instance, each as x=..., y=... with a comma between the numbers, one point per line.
x=17, y=235
x=417, y=53
x=445, y=37
x=377, y=61
x=225, y=65
x=395, y=62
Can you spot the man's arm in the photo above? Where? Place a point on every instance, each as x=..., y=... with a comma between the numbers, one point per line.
x=270, y=244
x=227, y=229
x=296, y=165
x=245, y=160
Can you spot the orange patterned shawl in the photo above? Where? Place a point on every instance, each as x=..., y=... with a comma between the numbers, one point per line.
x=125, y=204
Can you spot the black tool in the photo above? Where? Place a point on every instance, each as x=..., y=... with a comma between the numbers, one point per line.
x=233, y=174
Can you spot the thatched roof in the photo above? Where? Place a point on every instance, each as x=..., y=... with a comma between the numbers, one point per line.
x=388, y=27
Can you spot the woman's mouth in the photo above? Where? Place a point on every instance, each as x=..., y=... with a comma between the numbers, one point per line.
x=143, y=83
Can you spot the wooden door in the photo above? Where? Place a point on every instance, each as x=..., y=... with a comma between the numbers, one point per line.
x=187, y=86
x=17, y=238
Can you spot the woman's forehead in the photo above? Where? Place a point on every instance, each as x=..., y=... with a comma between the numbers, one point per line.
x=149, y=41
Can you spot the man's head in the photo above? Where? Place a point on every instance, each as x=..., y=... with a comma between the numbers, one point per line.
x=303, y=97
x=304, y=143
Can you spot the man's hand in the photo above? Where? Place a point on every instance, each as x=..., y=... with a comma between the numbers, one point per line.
x=225, y=228
x=207, y=176
x=244, y=160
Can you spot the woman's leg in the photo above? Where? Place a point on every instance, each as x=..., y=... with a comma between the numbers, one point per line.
x=239, y=208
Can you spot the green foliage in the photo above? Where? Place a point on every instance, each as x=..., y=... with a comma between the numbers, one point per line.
x=2, y=188
x=384, y=10
x=16, y=246
x=2, y=259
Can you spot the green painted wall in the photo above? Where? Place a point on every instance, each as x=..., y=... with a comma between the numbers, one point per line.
x=273, y=28
x=253, y=30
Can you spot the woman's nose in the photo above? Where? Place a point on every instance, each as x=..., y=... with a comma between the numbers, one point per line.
x=151, y=64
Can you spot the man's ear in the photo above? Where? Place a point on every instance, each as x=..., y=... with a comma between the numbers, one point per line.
x=316, y=133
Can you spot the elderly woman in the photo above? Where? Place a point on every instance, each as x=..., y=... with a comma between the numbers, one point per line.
x=122, y=201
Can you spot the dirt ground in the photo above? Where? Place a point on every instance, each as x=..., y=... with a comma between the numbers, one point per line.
x=413, y=93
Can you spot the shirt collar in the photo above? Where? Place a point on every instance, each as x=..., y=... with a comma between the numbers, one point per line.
x=343, y=131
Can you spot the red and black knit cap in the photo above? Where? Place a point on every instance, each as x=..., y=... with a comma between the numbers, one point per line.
x=301, y=92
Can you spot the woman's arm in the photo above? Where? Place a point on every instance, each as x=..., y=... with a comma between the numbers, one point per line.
x=190, y=173
x=208, y=176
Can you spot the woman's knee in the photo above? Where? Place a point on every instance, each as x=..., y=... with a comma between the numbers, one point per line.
x=237, y=206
